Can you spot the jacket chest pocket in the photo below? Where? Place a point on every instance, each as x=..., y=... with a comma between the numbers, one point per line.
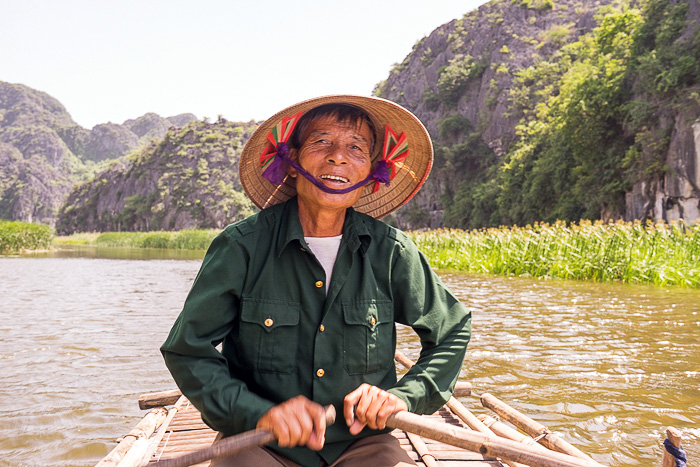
x=368, y=336
x=269, y=334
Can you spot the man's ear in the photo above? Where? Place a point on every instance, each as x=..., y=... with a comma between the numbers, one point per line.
x=293, y=155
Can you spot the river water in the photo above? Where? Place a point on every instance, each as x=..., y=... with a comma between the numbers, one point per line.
x=606, y=366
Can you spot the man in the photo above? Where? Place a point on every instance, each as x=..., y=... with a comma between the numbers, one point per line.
x=303, y=296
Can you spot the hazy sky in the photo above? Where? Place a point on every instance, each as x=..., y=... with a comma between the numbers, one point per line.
x=115, y=60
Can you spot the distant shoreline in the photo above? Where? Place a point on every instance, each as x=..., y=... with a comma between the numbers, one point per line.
x=636, y=253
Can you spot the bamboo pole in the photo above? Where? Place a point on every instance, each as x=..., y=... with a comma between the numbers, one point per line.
x=426, y=456
x=491, y=422
x=153, y=447
x=674, y=436
x=504, y=431
x=462, y=389
x=143, y=430
x=486, y=444
x=159, y=399
x=531, y=427
x=457, y=407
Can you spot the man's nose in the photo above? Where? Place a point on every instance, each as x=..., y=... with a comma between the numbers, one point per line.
x=337, y=156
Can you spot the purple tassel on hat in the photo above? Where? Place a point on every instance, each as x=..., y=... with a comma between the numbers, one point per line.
x=277, y=170
x=381, y=172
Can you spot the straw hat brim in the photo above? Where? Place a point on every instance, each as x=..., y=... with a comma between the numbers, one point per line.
x=410, y=175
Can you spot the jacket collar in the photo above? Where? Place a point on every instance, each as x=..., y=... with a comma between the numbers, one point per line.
x=355, y=231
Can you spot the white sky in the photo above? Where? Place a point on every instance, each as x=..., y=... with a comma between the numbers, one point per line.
x=118, y=59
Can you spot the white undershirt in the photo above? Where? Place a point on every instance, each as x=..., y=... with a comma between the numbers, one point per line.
x=326, y=251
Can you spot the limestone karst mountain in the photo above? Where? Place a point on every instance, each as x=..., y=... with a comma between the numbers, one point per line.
x=540, y=110
x=43, y=152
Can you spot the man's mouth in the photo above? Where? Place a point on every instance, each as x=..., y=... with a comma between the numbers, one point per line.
x=334, y=178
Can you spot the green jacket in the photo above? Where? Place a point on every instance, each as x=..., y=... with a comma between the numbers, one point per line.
x=260, y=293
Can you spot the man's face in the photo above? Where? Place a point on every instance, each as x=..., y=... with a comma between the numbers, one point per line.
x=338, y=155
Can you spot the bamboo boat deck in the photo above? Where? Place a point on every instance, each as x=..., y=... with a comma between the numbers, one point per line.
x=186, y=433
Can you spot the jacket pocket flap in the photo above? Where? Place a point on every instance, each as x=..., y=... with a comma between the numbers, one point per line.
x=269, y=314
x=368, y=313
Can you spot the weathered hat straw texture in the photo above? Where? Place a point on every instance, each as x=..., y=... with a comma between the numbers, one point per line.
x=411, y=174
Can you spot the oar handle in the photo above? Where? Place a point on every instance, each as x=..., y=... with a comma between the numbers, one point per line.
x=233, y=444
x=487, y=445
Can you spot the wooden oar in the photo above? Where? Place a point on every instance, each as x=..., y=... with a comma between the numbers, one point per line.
x=232, y=445
x=457, y=407
x=486, y=444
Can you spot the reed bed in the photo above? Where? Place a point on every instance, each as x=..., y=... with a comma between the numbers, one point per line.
x=16, y=237
x=655, y=253
x=180, y=240
x=82, y=238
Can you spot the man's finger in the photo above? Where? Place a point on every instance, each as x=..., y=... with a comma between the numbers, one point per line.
x=356, y=427
x=349, y=405
x=367, y=398
x=317, y=436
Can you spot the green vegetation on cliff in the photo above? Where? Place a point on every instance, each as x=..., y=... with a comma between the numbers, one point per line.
x=43, y=152
x=596, y=118
x=188, y=179
x=557, y=110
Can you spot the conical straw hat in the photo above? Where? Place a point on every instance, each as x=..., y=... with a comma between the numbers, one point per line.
x=410, y=174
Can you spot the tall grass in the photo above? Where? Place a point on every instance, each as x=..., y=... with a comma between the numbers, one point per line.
x=181, y=240
x=660, y=254
x=21, y=236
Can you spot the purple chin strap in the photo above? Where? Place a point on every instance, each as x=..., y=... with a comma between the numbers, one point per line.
x=277, y=170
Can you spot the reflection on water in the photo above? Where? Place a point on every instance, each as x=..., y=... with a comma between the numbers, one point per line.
x=88, y=251
x=608, y=367
x=78, y=344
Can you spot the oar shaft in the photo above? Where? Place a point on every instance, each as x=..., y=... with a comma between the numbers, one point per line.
x=488, y=445
x=225, y=447
x=232, y=445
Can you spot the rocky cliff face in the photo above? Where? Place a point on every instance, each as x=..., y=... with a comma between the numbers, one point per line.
x=30, y=189
x=675, y=195
x=460, y=81
x=111, y=140
x=43, y=152
x=466, y=68
x=189, y=179
x=483, y=50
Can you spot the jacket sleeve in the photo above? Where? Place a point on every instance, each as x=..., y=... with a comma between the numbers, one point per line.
x=209, y=313
x=443, y=325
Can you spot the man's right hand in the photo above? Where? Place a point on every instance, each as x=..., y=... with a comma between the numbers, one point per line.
x=296, y=422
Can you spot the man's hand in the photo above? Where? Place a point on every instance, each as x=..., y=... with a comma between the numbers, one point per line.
x=370, y=406
x=296, y=422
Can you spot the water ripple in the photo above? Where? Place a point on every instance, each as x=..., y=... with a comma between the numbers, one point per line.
x=606, y=366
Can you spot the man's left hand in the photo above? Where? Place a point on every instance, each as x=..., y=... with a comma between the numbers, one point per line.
x=370, y=406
